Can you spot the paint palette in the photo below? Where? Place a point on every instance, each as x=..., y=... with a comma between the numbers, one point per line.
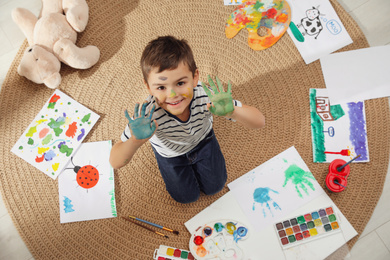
x=306, y=227
x=218, y=240
x=171, y=253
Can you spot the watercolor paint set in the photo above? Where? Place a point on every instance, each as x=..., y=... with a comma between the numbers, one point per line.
x=171, y=253
x=218, y=240
x=306, y=227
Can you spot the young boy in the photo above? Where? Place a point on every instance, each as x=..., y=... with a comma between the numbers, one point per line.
x=177, y=120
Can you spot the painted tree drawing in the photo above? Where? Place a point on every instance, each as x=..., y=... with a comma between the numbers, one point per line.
x=275, y=188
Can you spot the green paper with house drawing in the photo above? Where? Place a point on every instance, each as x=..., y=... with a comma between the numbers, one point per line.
x=338, y=131
x=55, y=134
x=275, y=188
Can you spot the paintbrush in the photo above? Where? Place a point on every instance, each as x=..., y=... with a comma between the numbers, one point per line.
x=156, y=225
x=339, y=184
x=342, y=167
x=154, y=231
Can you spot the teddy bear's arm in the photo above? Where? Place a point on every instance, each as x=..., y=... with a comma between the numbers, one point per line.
x=75, y=57
x=26, y=22
x=76, y=12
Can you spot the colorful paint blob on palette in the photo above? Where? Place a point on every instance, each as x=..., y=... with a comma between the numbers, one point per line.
x=218, y=240
x=171, y=253
x=306, y=227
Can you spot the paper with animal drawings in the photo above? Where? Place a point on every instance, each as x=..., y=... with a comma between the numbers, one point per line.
x=86, y=186
x=320, y=28
x=338, y=131
x=275, y=188
x=55, y=134
x=357, y=75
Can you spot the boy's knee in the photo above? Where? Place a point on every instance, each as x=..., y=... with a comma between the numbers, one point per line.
x=214, y=190
x=186, y=198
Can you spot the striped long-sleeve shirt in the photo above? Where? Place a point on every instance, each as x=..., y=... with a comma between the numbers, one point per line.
x=175, y=137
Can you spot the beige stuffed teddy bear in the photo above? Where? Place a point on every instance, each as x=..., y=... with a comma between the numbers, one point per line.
x=52, y=39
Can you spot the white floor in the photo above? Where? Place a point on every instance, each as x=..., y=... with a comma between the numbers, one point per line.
x=373, y=18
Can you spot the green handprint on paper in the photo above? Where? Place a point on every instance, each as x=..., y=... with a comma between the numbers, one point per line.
x=222, y=102
x=141, y=126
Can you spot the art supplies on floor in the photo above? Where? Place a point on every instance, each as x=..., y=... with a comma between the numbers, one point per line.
x=54, y=135
x=86, y=186
x=306, y=227
x=318, y=31
x=171, y=253
x=275, y=188
x=219, y=239
x=338, y=131
x=266, y=242
x=357, y=75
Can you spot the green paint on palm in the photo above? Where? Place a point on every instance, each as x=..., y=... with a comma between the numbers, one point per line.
x=222, y=102
x=299, y=178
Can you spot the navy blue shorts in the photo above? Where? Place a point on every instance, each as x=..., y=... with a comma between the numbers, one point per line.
x=201, y=169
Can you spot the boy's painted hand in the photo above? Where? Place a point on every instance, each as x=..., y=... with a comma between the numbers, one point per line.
x=141, y=127
x=222, y=102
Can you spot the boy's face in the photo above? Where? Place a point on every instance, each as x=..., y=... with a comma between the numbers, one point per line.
x=173, y=89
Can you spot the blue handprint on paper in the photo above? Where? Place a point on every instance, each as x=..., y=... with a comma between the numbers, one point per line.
x=261, y=195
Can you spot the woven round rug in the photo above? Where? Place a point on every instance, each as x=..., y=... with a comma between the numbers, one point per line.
x=275, y=80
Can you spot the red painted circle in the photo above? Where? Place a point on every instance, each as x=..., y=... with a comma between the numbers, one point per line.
x=87, y=177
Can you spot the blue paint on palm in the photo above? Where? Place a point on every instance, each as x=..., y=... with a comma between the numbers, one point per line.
x=261, y=195
x=141, y=127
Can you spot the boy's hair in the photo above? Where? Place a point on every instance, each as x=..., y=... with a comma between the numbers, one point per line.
x=166, y=53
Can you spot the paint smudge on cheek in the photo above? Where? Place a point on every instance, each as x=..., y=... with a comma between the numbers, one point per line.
x=173, y=94
x=189, y=93
x=160, y=99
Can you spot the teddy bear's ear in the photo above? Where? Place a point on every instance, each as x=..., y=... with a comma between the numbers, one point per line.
x=26, y=21
x=53, y=81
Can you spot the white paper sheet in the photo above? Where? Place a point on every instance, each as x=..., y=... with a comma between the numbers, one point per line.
x=55, y=134
x=88, y=192
x=320, y=26
x=338, y=131
x=275, y=188
x=265, y=243
x=357, y=75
